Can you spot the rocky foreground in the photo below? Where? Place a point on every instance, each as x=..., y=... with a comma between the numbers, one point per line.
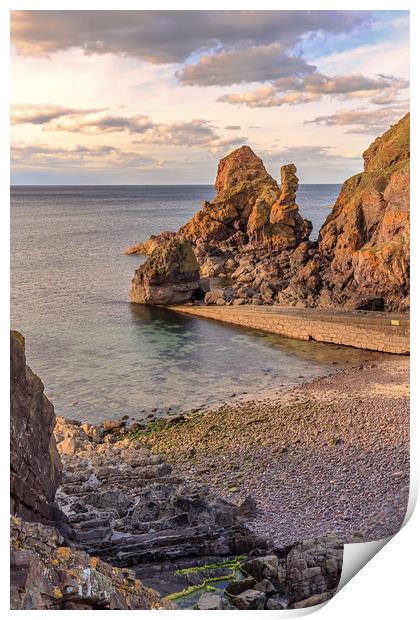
x=253, y=235
x=110, y=525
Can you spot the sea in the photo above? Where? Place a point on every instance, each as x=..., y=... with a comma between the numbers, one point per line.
x=101, y=357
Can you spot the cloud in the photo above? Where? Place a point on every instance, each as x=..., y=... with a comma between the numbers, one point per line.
x=233, y=127
x=40, y=114
x=194, y=133
x=42, y=155
x=247, y=64
x=100, y=123
x=294, y=90
x=308, y=154
x=170, y=36
x=363, y=120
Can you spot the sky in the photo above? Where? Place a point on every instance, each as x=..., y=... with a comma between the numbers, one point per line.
x=158, y=97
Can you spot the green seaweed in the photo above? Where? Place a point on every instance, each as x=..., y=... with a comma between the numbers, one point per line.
x=205, y=585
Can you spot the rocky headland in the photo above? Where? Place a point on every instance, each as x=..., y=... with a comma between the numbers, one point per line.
x=253, y=235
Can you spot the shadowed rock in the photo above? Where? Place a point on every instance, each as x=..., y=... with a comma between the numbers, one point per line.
x=35, y=467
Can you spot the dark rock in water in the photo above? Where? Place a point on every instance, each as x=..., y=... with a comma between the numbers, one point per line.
x=47, y=575
x=237, y=587
x=210, y=601
x=250, y=599
x=169, y=276
x=35, y=467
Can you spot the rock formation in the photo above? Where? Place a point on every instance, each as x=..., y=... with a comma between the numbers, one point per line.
x=135, y=524
x=45, y=572
x=250, y=207
x=253, y=233
x=35, y=467
x=129, y=508
x=362, y=259
x=171, y=274
x=151, y=244
x=298, y=576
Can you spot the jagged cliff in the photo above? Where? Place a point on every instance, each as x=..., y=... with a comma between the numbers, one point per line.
x=363, y=254
x=253, y=233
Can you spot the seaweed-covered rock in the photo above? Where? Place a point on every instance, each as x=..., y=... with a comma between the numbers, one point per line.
x=169, y=276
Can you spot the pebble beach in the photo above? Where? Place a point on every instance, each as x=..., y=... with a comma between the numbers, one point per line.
x=328, y=456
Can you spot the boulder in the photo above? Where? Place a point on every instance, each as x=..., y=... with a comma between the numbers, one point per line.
x=250, y=599
x=265, y=567
x=237, y=587
x=210, y=601
x=35, y=466
x=265, y=586
x=169, y=276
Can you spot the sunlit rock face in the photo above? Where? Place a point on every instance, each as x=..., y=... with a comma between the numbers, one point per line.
x=171, y=275
x=363, y=256
x=250, y=207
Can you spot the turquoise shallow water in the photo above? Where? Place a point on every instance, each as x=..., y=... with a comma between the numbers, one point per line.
x=101, y=357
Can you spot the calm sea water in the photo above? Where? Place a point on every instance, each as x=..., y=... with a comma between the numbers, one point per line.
x=101, y=357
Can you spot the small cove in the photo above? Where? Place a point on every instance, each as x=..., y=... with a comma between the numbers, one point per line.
x=101, y=357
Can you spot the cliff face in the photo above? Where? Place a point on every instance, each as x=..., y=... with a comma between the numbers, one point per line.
x=253, y=233
x=363, y=258
x=35, y=467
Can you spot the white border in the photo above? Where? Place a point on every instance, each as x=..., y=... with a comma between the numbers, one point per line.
x=387, y=585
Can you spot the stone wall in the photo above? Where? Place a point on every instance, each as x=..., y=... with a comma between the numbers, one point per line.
x=374, y=331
